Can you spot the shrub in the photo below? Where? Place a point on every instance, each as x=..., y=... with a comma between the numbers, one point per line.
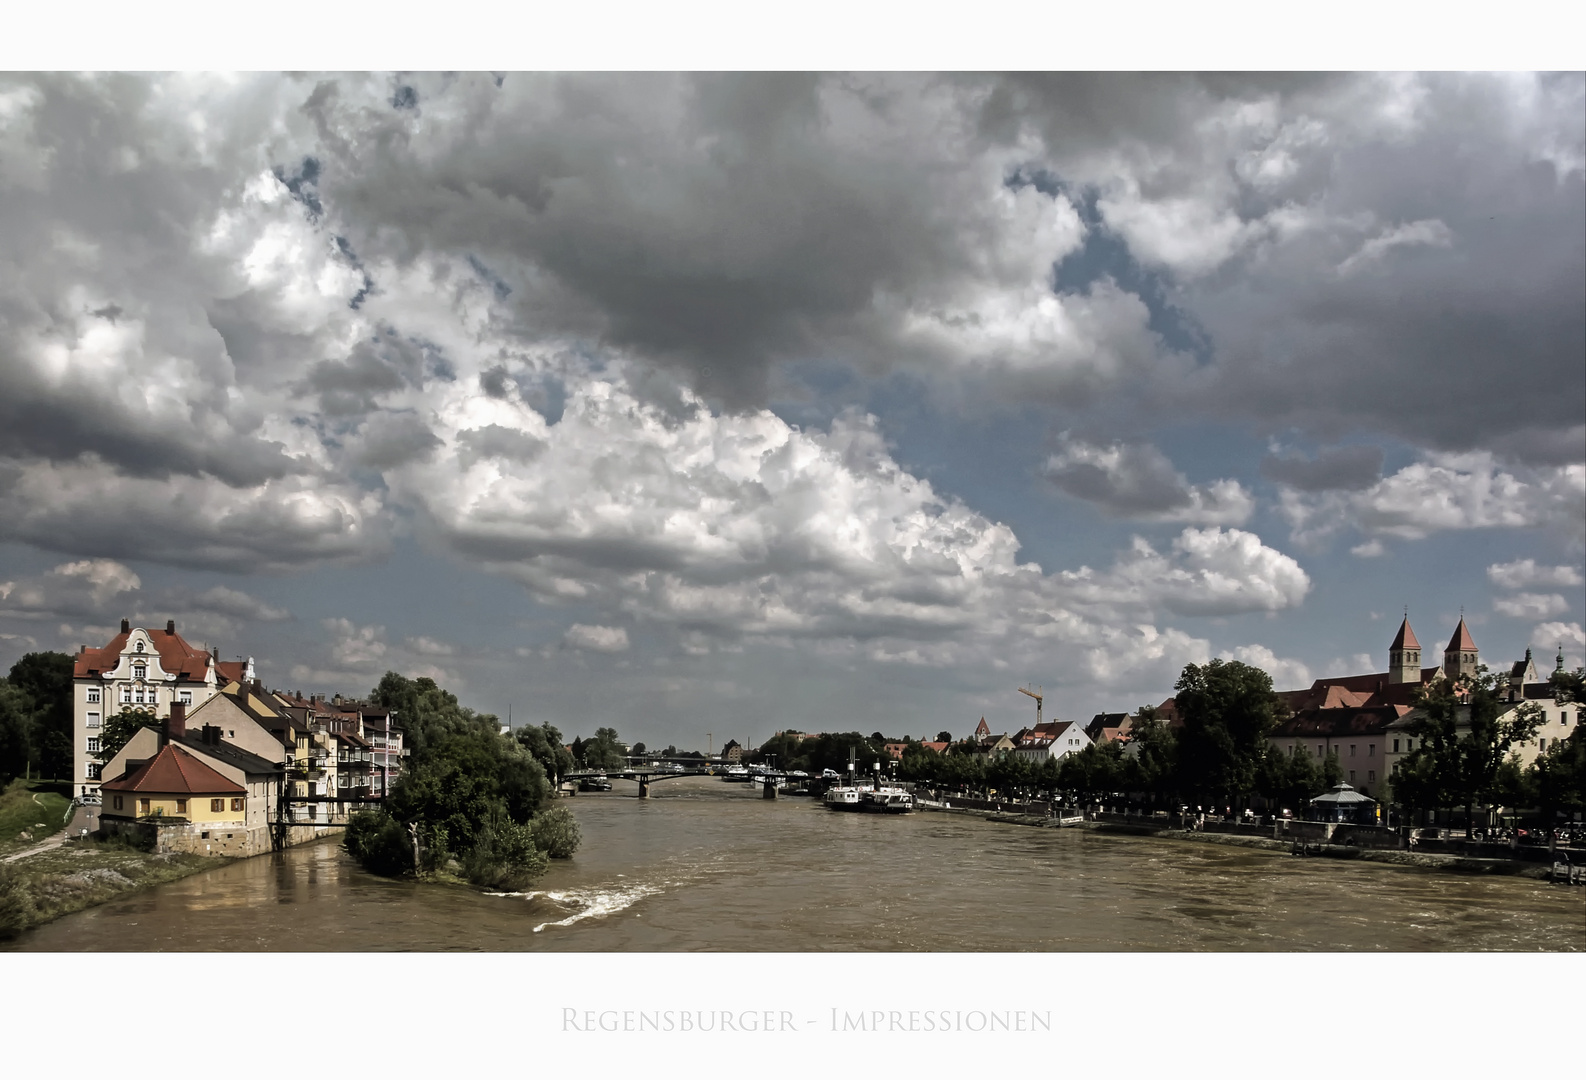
x=504, y=855
x=380, y=845
x=16, y=902
x=556, y=832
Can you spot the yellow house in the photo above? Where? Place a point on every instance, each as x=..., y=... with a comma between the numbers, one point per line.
x=176, y=788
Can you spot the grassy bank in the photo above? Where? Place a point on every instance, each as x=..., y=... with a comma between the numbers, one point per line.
x=80, y=875
x=30, y=810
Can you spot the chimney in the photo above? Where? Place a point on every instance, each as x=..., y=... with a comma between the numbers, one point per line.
x=126, y=626
x=170, y=626
x=176, y=725
x=211, y=735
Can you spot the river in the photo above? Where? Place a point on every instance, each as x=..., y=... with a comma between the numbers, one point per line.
x=706, y=865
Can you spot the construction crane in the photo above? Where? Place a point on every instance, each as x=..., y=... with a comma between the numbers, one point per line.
x=1036, y=694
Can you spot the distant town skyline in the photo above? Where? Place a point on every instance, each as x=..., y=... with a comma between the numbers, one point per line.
x=744, y=403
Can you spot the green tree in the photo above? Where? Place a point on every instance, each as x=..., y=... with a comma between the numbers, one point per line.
x=1095, y=771
x=45, y=678
x=604, y=751
x=1151, y=767
x=119, y=728
x=467, y=792
x=944, y=736
x=1462, y=768
x=1291, y=779
x=1556, y=782
x=1227, y=708
x=16, y=723
x=1568, y=686
x=544, y=744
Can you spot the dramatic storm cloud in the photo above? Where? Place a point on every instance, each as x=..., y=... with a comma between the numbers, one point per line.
x=656, y=397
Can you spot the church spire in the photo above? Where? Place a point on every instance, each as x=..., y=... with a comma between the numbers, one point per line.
x=1461, y=658
x=1404, y=655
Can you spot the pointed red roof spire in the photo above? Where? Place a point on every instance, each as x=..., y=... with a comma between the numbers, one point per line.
x=982, y=729
x=1406, y=638
x=1461, y=641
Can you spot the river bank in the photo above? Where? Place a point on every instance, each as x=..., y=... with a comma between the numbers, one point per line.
x=82, y=874
x=1426, y=861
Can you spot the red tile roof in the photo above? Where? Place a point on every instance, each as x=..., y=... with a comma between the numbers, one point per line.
x=1461, y=641
x=176, y=655
x=1406, y=637
x=175, y=771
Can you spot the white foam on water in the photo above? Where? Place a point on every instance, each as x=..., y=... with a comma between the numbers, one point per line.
x=599, y=902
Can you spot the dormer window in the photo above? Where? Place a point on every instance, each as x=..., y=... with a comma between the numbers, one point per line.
x=140, y=646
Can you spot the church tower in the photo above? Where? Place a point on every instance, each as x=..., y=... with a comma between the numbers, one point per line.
x=1404, y=656
x=1461, y=656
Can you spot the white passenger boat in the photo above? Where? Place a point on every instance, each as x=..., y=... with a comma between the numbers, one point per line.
x=736, y=773
x=869, y=800
x=886, y=800
x=841, y=798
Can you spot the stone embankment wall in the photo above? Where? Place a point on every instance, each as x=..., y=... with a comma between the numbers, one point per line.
x=192, y=840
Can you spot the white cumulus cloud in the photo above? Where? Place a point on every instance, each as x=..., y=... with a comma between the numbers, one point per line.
x=597, y=638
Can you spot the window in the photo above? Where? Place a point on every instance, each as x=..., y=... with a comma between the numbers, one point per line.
x=93, y=695
x=140, y=671
x=1371, y=749
x=143, y=806
x=93, y=744
x=93, y=720
x=236, y=804
x=1395, y=746
x=181, y=806
x=1541, y=744
x=154, y=696
x=91, y=770
x=140, y=646
x=187, y=697
x=1318, y=749
x=118, y=802
x=126, y=695
x=1371, y=777
x=1351, y=749
x=1351, y=776
x=217, y=806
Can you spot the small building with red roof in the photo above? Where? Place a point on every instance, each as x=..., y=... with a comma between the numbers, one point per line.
x=175, y=787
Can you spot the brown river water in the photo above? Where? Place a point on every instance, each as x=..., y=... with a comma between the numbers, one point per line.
x=708, y=866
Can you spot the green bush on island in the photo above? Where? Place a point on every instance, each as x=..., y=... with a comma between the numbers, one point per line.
x=468, y=797
x=556, y=832
x=375, y=839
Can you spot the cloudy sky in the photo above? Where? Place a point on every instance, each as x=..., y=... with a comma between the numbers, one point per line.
x=729, y=404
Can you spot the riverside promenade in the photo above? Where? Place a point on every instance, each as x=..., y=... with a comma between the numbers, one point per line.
x=1533, y=862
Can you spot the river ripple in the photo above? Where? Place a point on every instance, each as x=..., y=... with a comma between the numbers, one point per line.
x=705, y=865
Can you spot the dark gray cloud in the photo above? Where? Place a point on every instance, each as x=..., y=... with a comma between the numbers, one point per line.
x=1133, y=479
x=1342, y=468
